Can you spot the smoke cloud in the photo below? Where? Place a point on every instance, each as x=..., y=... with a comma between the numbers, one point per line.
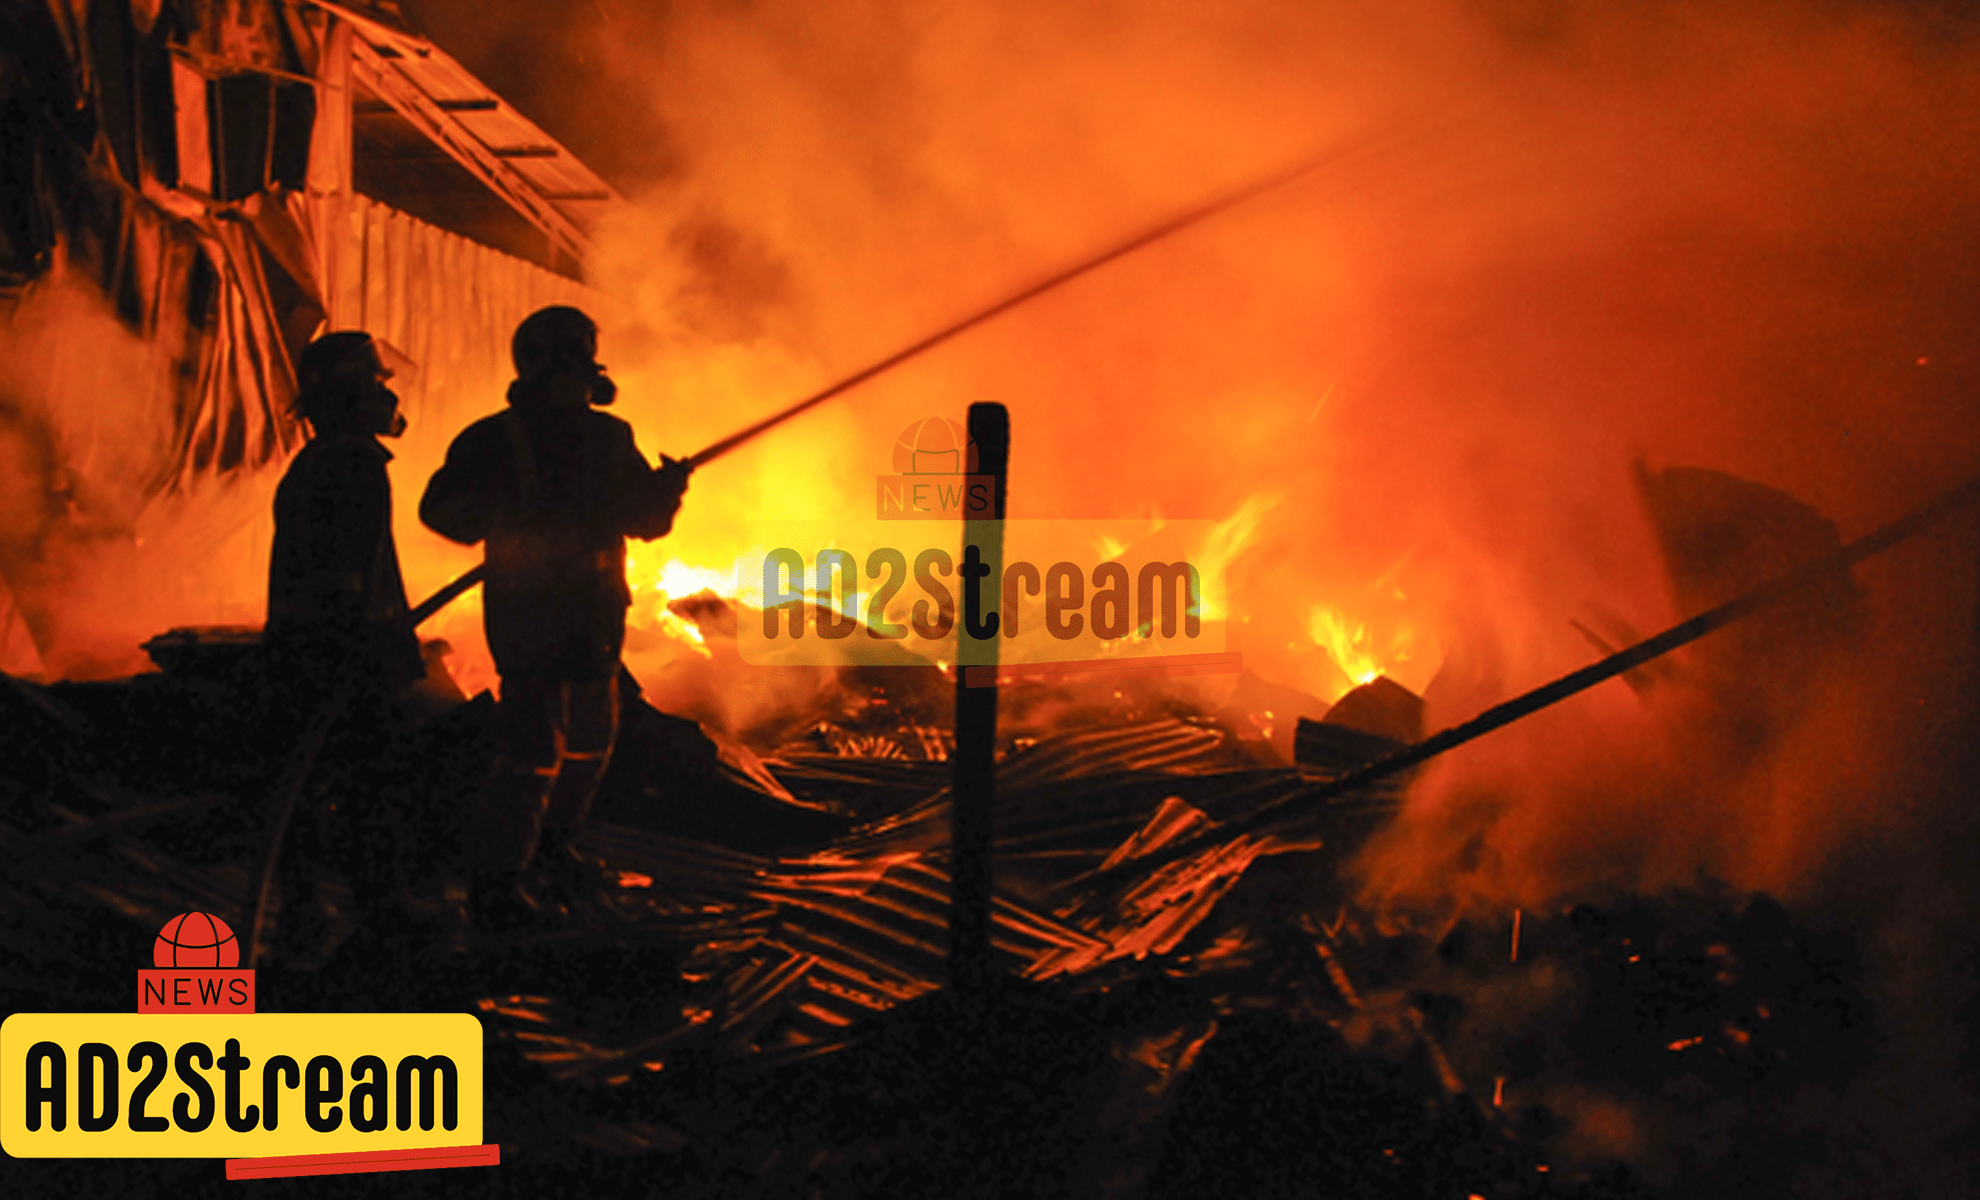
x=1558, y=240
x=1553, y=241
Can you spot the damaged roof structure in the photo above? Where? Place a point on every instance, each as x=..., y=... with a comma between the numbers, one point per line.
x=226, y=179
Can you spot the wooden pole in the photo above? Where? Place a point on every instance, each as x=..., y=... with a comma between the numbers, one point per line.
x=972, y=793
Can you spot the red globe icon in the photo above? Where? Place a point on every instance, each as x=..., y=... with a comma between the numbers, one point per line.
x=197, y=940
x=934, y=446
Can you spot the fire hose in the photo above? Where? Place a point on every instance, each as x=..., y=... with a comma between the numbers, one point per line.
x=1154, y=233
x=290, y=788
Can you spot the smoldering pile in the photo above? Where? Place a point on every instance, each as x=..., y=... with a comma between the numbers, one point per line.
x=758, y=999
x=756, y=1004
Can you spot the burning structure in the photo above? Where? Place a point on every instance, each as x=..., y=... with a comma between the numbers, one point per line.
x=1620, y=949
x=195, y=190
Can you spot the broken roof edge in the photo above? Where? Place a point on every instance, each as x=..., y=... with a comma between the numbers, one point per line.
x=384, y=12
x=405, y=70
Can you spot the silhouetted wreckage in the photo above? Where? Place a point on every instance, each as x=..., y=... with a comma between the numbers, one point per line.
x=753, y=1000
x=760, y=999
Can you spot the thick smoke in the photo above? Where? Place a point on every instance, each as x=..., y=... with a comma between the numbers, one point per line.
x=93, y=558
x=1559, y=240
x=1552, y=242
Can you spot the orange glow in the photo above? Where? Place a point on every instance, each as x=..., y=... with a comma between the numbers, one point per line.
x=1360, y=655
x=655, y=578
x=1555, y=250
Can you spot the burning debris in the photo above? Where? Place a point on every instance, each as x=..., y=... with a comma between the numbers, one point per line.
x=1184, y=981
x=788, y=942
x=840, y=931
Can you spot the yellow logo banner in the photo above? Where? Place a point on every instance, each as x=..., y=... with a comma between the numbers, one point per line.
x=128, y=1085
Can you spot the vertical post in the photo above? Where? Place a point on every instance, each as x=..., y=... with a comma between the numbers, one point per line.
x=973, y=790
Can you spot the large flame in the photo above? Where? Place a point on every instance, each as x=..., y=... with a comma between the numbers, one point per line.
x=656, y=577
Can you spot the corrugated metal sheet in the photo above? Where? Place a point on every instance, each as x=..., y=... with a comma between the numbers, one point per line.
x=784, y=957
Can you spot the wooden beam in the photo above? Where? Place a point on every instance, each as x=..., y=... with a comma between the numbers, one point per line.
x=84, y=829
x=973, y=790
x=371, y=69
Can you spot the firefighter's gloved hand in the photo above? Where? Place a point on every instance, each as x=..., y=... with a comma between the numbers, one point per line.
x=661, y=499
x=671, y=477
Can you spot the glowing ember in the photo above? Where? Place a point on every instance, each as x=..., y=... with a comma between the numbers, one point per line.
x=681, y=630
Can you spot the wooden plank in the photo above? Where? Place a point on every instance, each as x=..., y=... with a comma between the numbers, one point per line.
x=387, y=81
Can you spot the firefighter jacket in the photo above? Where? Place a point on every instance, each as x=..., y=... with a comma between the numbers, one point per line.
x=336, y=601
x=554, y=491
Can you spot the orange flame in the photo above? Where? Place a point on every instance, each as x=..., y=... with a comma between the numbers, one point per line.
x=1360, y=655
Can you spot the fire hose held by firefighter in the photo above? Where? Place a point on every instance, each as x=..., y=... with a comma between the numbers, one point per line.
x=553, y=487
x=551, y=400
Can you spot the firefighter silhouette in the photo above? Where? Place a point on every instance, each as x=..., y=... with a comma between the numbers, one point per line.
x=554, y=488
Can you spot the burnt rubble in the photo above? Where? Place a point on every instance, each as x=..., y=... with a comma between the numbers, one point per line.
x=753, y=1003
x=1188, y=1000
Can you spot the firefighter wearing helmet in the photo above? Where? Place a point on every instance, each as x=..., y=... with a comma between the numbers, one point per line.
x=553, y=487
x=336, y=602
